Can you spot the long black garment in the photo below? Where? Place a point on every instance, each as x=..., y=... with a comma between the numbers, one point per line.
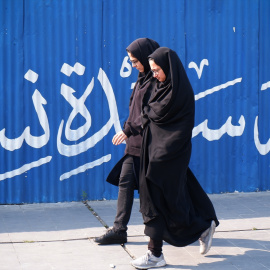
x=174, y=206
x=140, y=49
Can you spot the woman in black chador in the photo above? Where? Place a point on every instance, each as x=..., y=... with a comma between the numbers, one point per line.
x=125, y=173
x=174, y=206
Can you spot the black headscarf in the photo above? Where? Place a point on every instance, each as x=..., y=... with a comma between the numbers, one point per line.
x=141, y=48
x=173, y=99
x=169, y=192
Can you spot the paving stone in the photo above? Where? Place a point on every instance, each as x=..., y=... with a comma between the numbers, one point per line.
x=62, y=237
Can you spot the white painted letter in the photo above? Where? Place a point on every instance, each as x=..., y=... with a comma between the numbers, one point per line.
x=73, y=150
x=33, y=141
x=125, y=64
x=213, y=135
x=199, y=71
x=262, y=148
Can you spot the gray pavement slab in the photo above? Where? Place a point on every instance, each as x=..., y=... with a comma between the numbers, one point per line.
x=60, y=236
x=44, y=222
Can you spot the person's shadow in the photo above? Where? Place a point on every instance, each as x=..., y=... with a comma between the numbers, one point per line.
x=255, y=257
x=250, y=260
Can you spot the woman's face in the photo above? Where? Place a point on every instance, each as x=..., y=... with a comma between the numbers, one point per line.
x=135, y=62
x=157, y=71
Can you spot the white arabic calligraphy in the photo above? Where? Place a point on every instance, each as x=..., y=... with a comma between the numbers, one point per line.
x=199, y=71
x=72, y=150
x=77, y=68
x=33, y=141
x=125, y=65
x=85, y=167
x=31, y=76
x=78, y=108
x=217, y=88
x=25, y=167
x=265, y=86
x=127, y=73
x=213, y=135
x=262, y=148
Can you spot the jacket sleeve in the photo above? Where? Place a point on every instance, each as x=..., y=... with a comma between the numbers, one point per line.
x=133, y=128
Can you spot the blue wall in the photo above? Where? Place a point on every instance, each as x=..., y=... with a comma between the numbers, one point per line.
x=65, y=85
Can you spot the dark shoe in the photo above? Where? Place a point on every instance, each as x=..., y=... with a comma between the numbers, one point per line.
x=111, y=237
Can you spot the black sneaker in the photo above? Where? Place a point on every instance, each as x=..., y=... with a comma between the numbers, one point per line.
x=111, y=237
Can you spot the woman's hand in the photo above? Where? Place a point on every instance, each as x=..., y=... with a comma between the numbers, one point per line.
x=119, y=137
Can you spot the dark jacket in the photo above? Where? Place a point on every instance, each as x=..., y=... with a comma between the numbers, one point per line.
x=133, y=125
x=140, y=48
x=133, y=129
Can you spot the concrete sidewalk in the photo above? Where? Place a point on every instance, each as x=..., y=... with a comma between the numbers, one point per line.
x=59, y=236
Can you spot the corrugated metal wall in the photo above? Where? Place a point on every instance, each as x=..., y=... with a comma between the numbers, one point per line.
x=65, y=84
x=261, y=122
x=223, y=43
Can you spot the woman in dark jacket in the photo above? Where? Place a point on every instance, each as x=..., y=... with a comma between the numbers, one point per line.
x=174, y=206
x=125, y=172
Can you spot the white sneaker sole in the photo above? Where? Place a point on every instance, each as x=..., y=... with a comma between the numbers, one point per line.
x=159, y=264
x=211, y=232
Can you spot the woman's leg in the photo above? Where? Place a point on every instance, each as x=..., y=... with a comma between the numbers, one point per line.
x=118, y=234
x=152, y=258
x=125, y=195
x=155, y=246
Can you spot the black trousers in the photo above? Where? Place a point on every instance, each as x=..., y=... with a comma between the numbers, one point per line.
x=127, y=184
x=155, y=246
